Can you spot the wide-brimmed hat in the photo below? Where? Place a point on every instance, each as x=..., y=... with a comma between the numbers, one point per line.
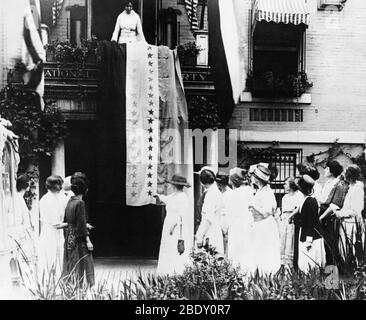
x=208, y=169
x=262, y=173
x=305, y=184
x=179, y=181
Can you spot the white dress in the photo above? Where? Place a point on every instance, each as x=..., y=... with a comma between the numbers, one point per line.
x=130, y=27
x=351, y=212
x=177, y=210
x=212, y=210
x=265, y=235
x=240, y=223
x=51, y=240
x=287, y=232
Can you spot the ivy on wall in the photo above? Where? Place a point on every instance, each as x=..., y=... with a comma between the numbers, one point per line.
x=39, y=131
x=204, y=113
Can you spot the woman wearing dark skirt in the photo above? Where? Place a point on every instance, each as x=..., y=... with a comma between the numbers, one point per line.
x=78, y=259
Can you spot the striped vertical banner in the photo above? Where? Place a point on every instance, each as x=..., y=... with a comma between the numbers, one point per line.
x=191, y=8
x=142, y=123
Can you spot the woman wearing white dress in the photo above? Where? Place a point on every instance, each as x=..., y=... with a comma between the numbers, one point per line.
x=128, y=26
x=51, y=239
x=240, y=221
x=209, y=230
x=176, y=227
x=290, y=202
x=265, y=235
x=222, y=181
x=350, y=215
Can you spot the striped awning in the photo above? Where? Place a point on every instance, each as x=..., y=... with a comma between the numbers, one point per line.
x=282, y=11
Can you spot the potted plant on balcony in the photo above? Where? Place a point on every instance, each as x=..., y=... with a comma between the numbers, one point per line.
x=188, y=53
x=277, y=85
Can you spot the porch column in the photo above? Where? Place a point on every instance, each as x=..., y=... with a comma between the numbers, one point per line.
x=58, y=160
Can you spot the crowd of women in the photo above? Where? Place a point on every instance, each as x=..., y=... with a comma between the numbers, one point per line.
x=241, y=219
x=62, y=246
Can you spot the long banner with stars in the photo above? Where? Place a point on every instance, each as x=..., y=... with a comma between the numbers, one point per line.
x=142, y=123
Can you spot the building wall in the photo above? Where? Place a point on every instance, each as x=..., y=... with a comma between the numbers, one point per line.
x=61, y=33
x=335, y=63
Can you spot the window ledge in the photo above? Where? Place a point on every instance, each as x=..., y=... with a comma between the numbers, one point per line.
x=305, y=98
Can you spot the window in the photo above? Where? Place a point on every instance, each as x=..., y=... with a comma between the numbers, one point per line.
x=277, y=54
x=331, y=4
x=286, y=115
x=285, y=161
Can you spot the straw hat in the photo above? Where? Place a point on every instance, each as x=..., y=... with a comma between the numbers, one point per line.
x=178, y=180
x=262, y=173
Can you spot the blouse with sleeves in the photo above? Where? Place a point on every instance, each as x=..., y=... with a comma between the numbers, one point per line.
x=353, y=203
x=75, y=215
x=309, y=220
x=130, y=27
x=265, y=200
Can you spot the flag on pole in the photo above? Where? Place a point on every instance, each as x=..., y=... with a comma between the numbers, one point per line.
x=225, y=60
x=191, y=8
x=56, y=10
x=33, y=55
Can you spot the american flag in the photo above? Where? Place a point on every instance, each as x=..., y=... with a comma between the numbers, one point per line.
x=191, y=7
x=56, y=10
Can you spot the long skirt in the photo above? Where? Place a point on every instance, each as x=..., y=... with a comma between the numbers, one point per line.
x=266, y=246
x=240, y=245
x=170, y=261
x=79, y=264
x=351, y=237
x=313, y=258
x=287, y=241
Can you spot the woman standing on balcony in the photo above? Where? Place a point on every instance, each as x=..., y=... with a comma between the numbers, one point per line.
x=128, y=26
x=265, y=235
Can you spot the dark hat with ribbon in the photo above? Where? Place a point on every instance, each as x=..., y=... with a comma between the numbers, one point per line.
x=179, y=181
x=305, y=184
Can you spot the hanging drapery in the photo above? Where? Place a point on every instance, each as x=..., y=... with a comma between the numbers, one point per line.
x=191, y=8
x=142, y=123
x=224, y=59
x=142, y=117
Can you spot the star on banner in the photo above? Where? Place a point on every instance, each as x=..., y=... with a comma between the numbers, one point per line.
x=151, y=121
x=151, y=112
x=150, y=55
x=150, y=193
x=149, y=48
x=151, y=103
x=151, y=95
x=151, y=63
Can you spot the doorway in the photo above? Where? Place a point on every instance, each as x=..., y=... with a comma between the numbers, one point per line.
x=105, y=14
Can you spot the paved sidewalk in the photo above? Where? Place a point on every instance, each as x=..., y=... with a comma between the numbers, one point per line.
x=111, y=270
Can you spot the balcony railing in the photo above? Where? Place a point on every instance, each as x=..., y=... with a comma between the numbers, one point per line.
x=74, y=81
